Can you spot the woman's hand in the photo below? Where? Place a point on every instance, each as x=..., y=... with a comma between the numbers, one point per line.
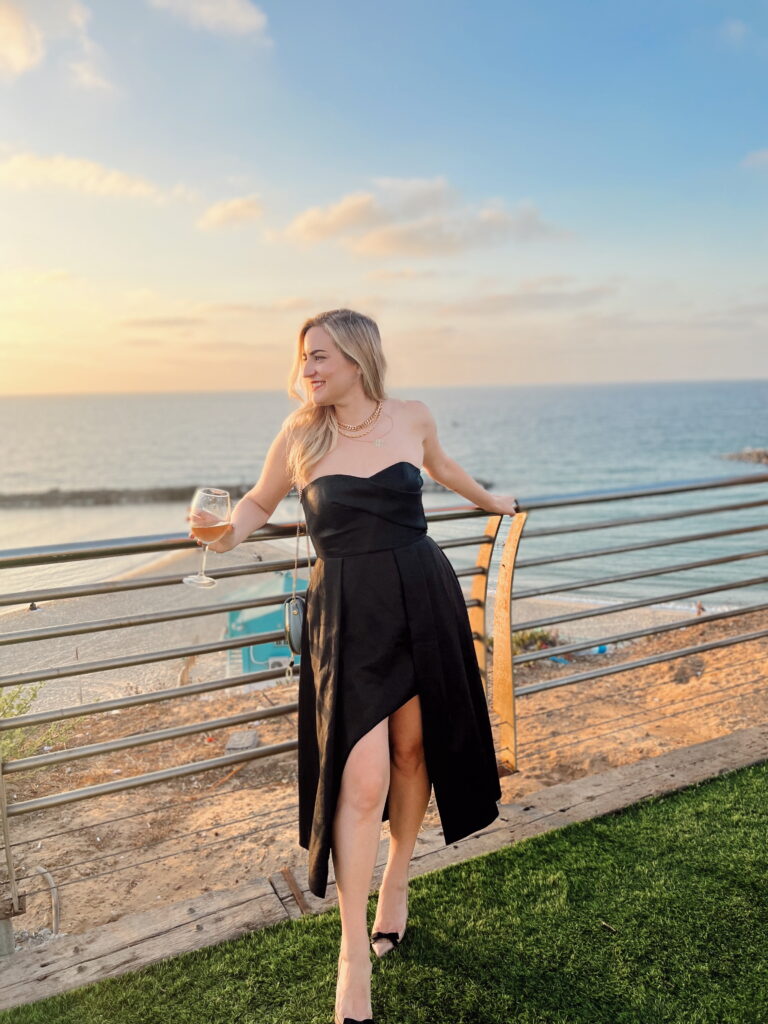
x=504, y=505
x=224, y=543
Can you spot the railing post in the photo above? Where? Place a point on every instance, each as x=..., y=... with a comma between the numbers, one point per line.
x=16, y=903
x=477, y=613
x=503, y=687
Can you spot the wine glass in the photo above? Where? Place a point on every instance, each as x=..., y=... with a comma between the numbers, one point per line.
x=209, y=519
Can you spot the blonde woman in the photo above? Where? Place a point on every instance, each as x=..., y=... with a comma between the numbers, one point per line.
x=391, y=702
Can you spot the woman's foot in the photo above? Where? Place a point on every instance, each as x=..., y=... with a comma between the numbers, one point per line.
x=391, y=915
x=353, y=988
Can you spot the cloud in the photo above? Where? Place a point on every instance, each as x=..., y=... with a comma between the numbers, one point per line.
x=733, y=31
x=352, y=213
x=164, y=322
x=737, y=35
x=288, y=304
x=228, y=346
x=757, y=159
x=24, y=43
x=86, y=72
x=536, y=296
x=230, y=212
x=29, y=171
x=438, y=236
x=404, y=274
x=417, y=218
x=21, y=41
x=144, y=342
x=224, y=17
x=414, y=196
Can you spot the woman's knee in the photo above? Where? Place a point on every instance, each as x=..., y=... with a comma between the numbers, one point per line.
x=365, y=779
x=406, y=738
x=408, y=756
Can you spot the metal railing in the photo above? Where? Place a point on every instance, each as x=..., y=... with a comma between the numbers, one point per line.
x=14, y=904
x=500, y=687
x=504, y=661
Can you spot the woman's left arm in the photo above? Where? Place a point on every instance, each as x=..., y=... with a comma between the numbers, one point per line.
x=446, y=471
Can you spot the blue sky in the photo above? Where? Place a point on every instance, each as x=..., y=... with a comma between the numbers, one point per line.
x=518, y=192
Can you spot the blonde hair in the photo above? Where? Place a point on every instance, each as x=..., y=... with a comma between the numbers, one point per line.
x=311, y=429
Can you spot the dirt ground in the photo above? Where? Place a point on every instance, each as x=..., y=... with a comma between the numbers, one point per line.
x=160, y=843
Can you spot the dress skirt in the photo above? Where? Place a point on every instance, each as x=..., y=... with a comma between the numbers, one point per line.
x=386, y=621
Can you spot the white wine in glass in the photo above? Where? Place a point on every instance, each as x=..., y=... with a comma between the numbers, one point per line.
x=209, y=518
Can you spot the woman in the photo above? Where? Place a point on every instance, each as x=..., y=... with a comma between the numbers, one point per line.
x=390, y=697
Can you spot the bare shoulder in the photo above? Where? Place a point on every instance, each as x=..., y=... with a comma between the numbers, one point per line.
x=410, y=407
x=419, y=415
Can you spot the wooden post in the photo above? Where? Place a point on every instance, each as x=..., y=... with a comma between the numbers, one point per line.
x=503, y=687
x=477, y=617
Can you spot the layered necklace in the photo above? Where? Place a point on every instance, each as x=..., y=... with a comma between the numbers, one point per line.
x=356, y=431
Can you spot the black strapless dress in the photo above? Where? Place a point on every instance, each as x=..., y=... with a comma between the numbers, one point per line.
x=386, y=620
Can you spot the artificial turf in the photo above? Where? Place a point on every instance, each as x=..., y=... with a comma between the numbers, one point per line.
x=651, y=915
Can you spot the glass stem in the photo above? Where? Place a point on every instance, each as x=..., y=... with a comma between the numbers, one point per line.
x=202, y=566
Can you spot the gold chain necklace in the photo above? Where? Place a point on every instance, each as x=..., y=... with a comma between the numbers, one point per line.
x=372, y=418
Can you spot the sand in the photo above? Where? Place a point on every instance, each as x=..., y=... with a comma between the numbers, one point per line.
x=161, y=843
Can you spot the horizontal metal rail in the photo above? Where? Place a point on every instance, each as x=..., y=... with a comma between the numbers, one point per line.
x=108, y=664
x=641, y=602
x=136, y=699
x=462, y=542
x=606, y=524
x=125, y=851
x=287, y=531
x=141, y=583
x=629, y=494
x=161, y=543
x=622, y=577
x=629, y=666
x=526, y=563
x=140, y=739
x=667, y=627
x=211, y=792
x=102, y=625
x=197, y=848
x=148, y=778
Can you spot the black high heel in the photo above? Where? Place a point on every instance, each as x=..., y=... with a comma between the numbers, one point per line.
x=351, y=1020
x=394, y=937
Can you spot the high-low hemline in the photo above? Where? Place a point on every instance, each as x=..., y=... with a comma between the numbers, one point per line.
x=386, y=621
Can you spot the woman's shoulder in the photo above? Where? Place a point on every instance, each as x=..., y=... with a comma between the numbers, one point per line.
x=410, y=407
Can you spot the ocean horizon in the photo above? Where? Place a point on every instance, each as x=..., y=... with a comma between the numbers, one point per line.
x=533, y=441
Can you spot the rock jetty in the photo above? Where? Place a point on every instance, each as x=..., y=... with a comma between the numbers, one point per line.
x=57, y=497
x=750, y=455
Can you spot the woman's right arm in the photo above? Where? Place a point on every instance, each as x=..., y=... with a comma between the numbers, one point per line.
x=256, y=506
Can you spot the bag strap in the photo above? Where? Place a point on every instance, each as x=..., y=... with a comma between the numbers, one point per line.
x=306, y=535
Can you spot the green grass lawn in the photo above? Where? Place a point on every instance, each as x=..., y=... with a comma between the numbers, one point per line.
x=658, y=913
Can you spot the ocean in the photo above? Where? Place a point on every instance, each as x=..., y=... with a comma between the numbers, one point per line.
x=533, y=442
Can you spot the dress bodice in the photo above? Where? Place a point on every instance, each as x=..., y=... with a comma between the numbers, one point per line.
x=352, y=515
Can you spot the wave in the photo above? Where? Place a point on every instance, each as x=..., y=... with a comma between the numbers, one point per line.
x=57, y=497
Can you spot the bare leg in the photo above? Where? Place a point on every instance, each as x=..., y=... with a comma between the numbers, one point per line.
x=408, y=798
x=355, y=843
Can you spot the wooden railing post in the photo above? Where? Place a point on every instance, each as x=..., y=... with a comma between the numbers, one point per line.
x=503, y=687
x=478, y=619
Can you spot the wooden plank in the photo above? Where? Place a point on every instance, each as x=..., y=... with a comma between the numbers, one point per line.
x=137, y=940
x=581, y=800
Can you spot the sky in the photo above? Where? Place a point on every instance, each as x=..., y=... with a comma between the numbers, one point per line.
x=519, y=192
